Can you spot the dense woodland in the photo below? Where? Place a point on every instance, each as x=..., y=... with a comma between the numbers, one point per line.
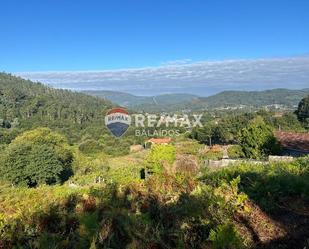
x=24, y=104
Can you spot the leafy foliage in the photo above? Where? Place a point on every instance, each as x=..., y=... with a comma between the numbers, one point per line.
x=24, y=104
x=214, y=153
x=270, y=185
x=235, y=151
x=257, y=139
x=162, y=211
x=225, y=236
x=303, y=109
x=36, y=157
x=90, y=146
x=159, y=157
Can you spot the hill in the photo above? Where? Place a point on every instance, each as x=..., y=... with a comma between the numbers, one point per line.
x=120, y=98
x=158, y=102
x=279, y=98
x=285, y=97
x=25, y=104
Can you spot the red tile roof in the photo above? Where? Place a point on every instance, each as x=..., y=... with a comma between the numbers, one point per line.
x=293, y=140
x=160, y=140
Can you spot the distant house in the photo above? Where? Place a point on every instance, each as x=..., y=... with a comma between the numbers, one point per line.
x=295, y=144
x=155, y=141
x=278, y=114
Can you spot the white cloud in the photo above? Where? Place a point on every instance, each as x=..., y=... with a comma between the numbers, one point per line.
x=204, y=77
x=176, y=62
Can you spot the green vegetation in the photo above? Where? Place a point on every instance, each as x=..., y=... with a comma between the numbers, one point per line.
x=65, y=182
x=160, y=157
x=214, y=153
x=143, y=103
x=160, y=212
x=285, y=97
x=165, y=210
x=225, y=236
x=303, y=111
x=226, y=129
x=257, y=140
x=235, y=151
x=248, y=100
x=26, y=105
x=272, y=185
x=90, y=146
x=36, y=157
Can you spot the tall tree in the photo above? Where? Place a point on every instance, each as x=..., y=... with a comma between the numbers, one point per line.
x=303, y=109
x=257, y=139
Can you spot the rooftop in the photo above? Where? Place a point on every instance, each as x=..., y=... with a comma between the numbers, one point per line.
x=293, y=140
x=160, y=140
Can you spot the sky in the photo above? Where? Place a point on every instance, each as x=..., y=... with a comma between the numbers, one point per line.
x=114, y=36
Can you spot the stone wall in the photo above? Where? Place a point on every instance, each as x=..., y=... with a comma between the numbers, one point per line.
x=227, y=162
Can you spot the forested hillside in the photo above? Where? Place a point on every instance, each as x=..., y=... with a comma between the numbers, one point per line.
x=25, y=104
x=133, y=101
x=286, y=98
x=247, y=100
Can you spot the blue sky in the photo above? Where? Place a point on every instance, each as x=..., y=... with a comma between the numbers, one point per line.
x=67, y=35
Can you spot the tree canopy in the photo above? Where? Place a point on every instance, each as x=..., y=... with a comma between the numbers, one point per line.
x=257, y=139
x=303, y=109
x=36, y=157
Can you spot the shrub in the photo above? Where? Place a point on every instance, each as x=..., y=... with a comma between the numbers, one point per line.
x=268, y=184
x=210, y=155
x=116, y=147
x=235, y=151
x=90, y=146
x=186, y=164
x=159, y=156
x=225, y=236
x=303, y=109
x=188, y=147
x=257, y=139
x=36, y=157
x=163, y=211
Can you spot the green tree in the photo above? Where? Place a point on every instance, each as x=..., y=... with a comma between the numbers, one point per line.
x=303, y=109
x=257, y=139
x=36, y=157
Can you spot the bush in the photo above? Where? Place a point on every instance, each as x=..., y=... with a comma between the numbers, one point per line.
x=210, y=155
x=162, y=211
x=225, y=236
x=303, y=109
x=214, y=153
x=268, y=184
x=36, y=157
x=257, y=139
x=160, y=156
x=235, y=151
x=186, y=164
x=90, y=146
x=188, y=147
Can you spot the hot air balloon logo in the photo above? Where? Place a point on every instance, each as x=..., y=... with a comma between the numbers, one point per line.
x=117, y=121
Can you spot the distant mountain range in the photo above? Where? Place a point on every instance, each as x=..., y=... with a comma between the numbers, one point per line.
x=284, y=98
x=139, y=102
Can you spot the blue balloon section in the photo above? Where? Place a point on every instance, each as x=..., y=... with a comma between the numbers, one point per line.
x=118, y=129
